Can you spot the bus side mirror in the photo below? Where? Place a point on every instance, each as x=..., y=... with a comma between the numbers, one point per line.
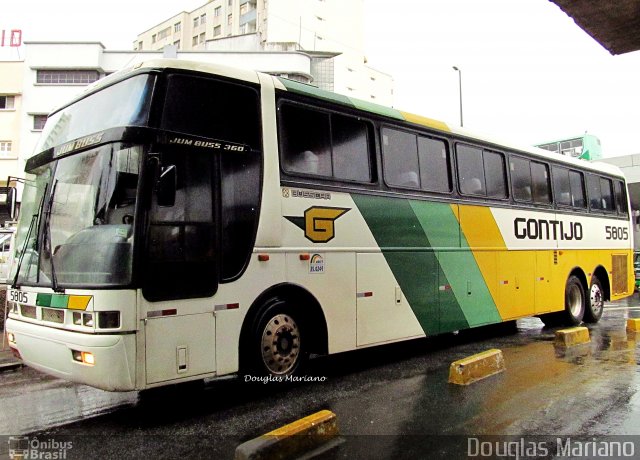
x=166, y=186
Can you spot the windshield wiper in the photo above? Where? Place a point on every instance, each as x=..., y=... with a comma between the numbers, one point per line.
x=34, y=219
x=47, y=236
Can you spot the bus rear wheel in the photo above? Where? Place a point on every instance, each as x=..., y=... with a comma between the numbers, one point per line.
x=278, y=348
x=595, y=304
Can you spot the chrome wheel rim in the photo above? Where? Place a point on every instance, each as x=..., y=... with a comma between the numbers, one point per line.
x=597, y=303
x=280, y=344
x=574, y=299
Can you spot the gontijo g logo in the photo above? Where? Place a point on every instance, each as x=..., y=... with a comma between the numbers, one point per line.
x=318, y=222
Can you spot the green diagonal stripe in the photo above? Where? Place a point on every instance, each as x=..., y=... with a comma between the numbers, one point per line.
x=408, y=252
x=459, y=266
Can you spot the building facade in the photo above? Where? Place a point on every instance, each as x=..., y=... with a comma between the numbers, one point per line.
x=319, y=28
x=10, y=118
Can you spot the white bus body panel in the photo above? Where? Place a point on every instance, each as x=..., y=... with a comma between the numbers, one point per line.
x=49, y=350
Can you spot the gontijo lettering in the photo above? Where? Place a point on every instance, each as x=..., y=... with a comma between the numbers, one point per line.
x=542, y=229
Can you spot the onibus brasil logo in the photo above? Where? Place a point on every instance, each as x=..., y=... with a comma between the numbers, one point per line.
x=318, y=222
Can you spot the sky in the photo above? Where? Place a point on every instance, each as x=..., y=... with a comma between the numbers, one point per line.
x=529, y=73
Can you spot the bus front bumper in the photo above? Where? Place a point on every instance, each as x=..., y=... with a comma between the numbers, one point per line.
x=51, y=351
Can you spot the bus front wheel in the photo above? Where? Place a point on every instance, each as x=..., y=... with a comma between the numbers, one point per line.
x=575, y=304
x=595, y=303
x=278, y=345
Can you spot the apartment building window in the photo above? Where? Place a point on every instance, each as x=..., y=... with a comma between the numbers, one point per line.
x=177, y=27
x=38, y=122
x=230, y=19
x=194, y=41
x=230, y=2
x=217, y=31
x=164, y=33
x=243, y=29
x=153, y=38
x=140, y=45
x=66, y=77
x=196, y=21
x=7, y=102
x=5, y=148
x=203, y=18
x=202, y=37
x=217, y=12
x=177, y=44
x=244, y=8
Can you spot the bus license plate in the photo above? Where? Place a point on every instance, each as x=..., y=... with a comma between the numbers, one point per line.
x=22, y=297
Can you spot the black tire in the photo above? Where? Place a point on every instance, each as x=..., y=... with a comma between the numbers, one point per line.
x=595, y=302
x=276, y=346
x=575, y=302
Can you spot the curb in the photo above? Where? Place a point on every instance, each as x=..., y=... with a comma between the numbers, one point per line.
x=11, y=366
x=633, y=325
x=476, y=367
x=572, y=336
x=291, y=440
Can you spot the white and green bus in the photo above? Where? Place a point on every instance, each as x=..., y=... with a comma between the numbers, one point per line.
x=183, y=221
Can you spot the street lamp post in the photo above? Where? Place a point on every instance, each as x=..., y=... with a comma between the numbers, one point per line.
x=460, y=90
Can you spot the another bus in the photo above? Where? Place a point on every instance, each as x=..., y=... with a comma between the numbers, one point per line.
x=183, y=221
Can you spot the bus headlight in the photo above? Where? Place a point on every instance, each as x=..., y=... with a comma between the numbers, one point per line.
x=108, y=319
x=87, y=319
x=82, y=319
x=84, y=357
x=77, y=318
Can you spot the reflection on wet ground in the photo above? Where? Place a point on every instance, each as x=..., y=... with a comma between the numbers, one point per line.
x=399, y=393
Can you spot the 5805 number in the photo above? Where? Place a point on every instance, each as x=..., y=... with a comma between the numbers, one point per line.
x=616, y=233
x=18, y=296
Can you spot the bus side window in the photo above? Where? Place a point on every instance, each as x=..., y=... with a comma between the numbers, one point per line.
x=561, y=186
x=621, y=198
x=576, y=181
x=350, y=145
x=470, y=170
x=400, y=158
x=521, y=179
x=495, y=174
x=540, y=183
x=434, y=165
x=595, y=194
x=306, y=145
x=607, y=194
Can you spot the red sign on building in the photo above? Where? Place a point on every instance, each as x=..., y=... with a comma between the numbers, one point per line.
x=12, y=38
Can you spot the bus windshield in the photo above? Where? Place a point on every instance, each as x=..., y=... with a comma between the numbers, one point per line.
x=78, y=213
x=124, y=104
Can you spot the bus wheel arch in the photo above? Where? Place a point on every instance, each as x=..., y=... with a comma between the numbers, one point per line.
x=599, y=290
x=575, y=301
x=286, y=302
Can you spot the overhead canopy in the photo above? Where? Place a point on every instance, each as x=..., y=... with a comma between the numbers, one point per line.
x=615, y=25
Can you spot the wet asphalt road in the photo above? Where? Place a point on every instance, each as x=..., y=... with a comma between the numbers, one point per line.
x=391, y=402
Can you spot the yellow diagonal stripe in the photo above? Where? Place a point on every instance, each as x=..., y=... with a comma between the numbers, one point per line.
x=79, y=302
